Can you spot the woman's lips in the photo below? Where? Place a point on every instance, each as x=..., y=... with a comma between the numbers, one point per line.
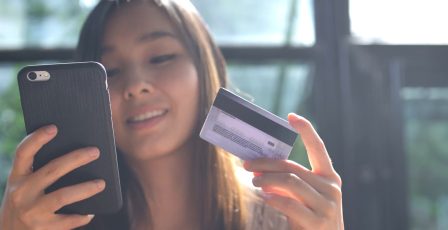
x=147, y=119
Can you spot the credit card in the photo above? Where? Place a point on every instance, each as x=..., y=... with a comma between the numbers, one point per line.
x=247, y=130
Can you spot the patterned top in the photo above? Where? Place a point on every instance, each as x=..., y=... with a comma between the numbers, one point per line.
x=261, y=216
x=264, y=217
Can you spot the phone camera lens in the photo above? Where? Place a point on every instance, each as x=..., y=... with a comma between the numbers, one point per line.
x=32, y=76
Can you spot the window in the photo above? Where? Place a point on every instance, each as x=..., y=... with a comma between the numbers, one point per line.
x=426, y=129
x=409, y=42
x=41, y=24
x=271, y=23
x=399, y=21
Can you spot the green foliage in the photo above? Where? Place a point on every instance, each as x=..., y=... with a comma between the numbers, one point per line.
x=11, y=129
x=427, y=148
x=299, y=155
x=37, y=9
x=428, y=159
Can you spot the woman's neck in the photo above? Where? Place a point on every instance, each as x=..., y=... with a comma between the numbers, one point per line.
x=167, y=185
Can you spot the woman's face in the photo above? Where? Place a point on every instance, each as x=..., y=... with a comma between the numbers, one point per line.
x=152, y=80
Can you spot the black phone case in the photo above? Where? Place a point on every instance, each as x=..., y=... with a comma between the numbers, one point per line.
x=76, y=100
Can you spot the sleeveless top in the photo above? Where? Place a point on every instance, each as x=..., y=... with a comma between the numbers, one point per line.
x=264, y=217
x=260, y=215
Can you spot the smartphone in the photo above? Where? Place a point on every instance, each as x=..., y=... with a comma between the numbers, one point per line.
x=74, y=97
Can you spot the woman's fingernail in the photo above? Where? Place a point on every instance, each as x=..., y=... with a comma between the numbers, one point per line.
x=100, y=184
x=90, y=216
x=266, y=195
x=256, y=180
x=245, y=164
x=51, y=129
x=293, y=117
x=94, y=152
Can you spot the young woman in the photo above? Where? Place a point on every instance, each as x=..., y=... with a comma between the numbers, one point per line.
x=163, y=72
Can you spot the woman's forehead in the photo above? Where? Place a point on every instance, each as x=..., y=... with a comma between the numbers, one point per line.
x=135, y=19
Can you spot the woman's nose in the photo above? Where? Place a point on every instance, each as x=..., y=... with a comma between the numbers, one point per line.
x=137, y=85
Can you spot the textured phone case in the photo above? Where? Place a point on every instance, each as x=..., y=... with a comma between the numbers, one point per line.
x=76, y=100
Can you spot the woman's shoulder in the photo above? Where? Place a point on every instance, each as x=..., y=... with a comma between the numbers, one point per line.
x=260, y=215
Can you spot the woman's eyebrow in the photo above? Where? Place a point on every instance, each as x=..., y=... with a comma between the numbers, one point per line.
x=154, y=35
x=150, y=36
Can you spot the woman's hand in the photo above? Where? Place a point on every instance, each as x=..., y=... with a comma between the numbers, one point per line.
x=311, y=199
x=26, y=206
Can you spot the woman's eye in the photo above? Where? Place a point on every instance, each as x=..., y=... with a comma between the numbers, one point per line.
x=162, y=58
x=112, y=72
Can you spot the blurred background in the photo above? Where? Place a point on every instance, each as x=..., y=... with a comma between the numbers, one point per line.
x=371, y=75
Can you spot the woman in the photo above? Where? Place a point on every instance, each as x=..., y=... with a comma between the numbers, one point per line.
x=163, y=73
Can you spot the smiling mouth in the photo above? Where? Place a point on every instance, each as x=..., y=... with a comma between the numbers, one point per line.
x=146, y=116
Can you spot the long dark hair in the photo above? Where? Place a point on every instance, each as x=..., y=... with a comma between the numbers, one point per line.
x=219, y=194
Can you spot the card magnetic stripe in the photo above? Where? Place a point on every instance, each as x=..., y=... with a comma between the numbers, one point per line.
x=226, y=104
